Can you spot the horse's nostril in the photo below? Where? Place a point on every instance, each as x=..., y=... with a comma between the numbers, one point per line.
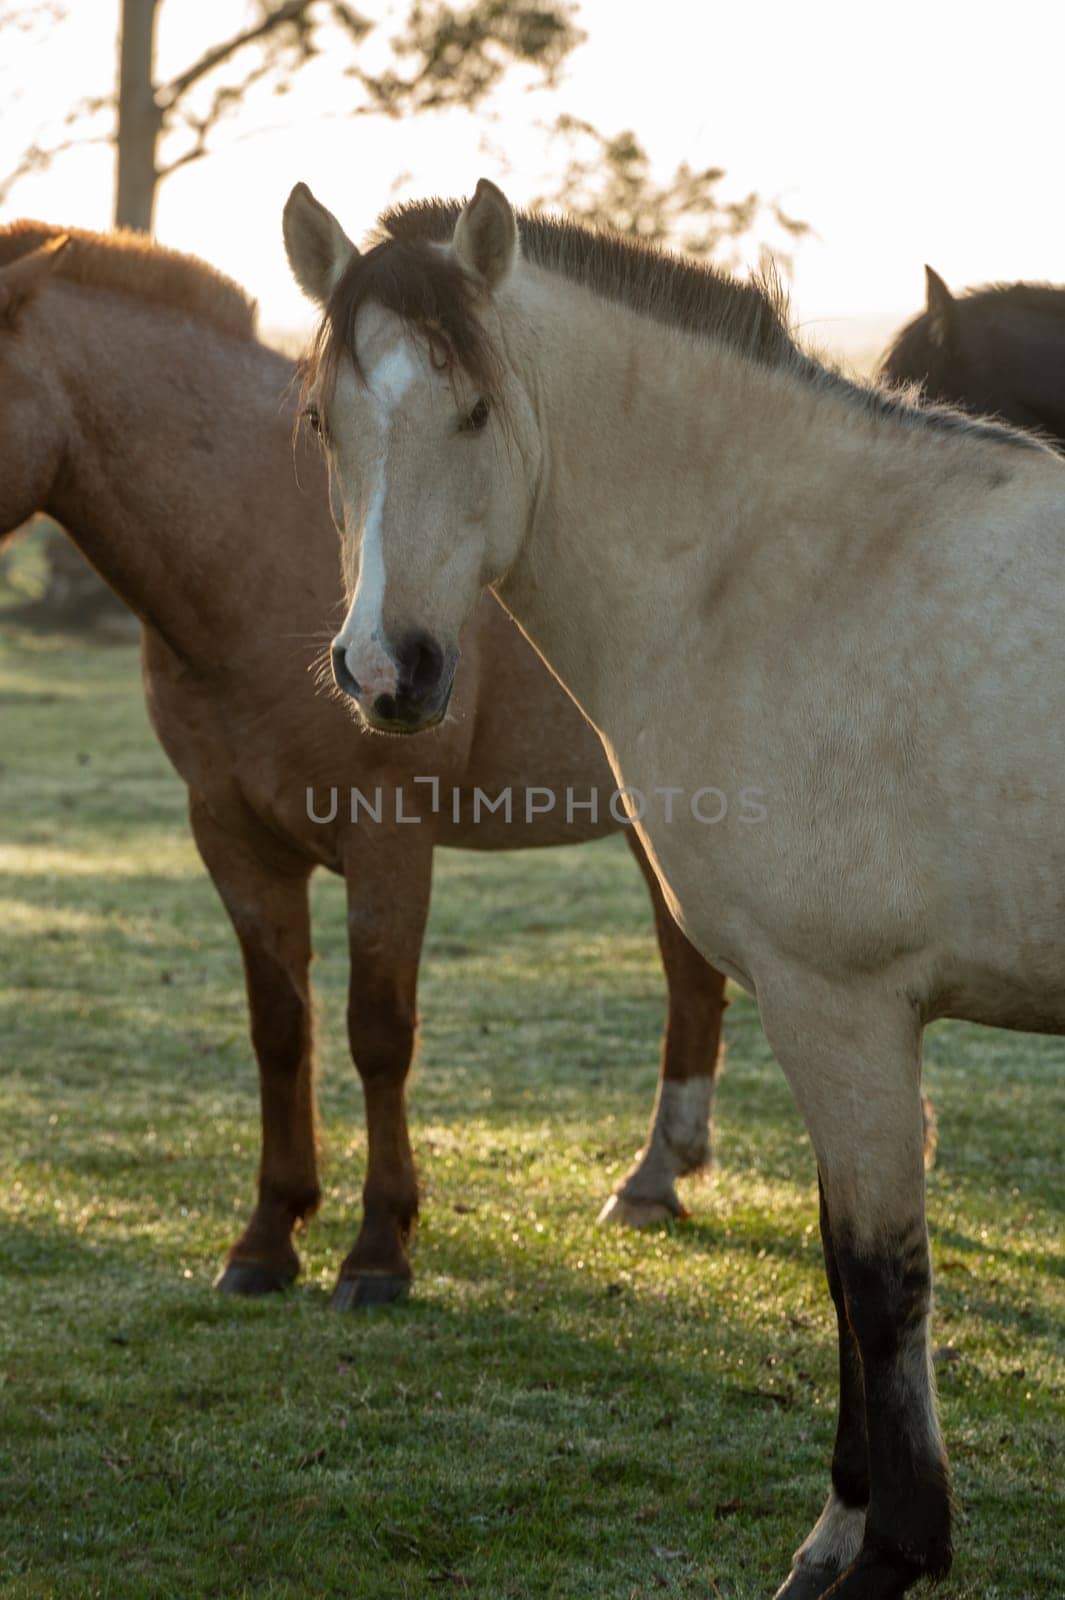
x=420, y=661
x=343, y=677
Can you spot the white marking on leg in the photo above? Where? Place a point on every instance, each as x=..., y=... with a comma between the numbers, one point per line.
x=679, y=1142
x=682, y=1121
x=835, y=1538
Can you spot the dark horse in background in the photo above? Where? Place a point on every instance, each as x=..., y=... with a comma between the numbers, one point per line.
x=998, y=351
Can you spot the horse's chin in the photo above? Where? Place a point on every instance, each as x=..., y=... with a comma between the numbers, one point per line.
x=405, y=726
x=402, y=730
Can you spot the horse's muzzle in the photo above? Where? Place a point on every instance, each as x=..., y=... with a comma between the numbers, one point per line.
x=391, y=713
x=425, y=678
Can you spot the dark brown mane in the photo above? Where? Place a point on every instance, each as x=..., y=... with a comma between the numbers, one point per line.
x=406, y=273
x=748, y=316
x=1046, y=297
x=131, y=264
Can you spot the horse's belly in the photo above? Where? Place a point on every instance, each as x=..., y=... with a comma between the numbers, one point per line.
x=997, y=909
x=1004, y=998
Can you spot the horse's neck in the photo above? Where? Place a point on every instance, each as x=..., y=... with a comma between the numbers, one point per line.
x=687, y=494
x=1027, y=354
x=178, y=473
x=648, y=467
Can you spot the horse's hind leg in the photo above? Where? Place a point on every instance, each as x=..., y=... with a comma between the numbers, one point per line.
x=268, y=908
x=857, y=1084
x=388, y=902
x=679, y=1139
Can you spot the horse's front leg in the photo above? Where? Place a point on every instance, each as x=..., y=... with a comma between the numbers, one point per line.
x=837, y=1535
x=388, y=903
x=265, y=892
x=679, y=1139
x=856, y=1076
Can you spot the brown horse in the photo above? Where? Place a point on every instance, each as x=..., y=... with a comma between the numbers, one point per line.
x=138, y=409
x=674, y=500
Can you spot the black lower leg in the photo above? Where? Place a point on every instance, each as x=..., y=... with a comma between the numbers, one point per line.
x=888, y=1298
x=836, y=1539
x=850, y=1457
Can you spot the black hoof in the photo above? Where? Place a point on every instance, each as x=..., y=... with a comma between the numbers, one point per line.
x=369, y=1289
x=807, y=1583
x=254, y=1278
x=874, y=1577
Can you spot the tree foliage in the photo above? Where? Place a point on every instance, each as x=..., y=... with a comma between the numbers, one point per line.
x=435, y=57
x=438, y=56
x=608, y=181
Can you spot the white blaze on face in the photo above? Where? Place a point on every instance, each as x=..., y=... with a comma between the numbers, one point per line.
x=362, y=635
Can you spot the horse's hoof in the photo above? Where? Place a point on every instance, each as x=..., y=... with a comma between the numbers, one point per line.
x=622, y=1213
x=873, y=1577
x=254, y=1278
x=369, y=1289
x=807, y=1583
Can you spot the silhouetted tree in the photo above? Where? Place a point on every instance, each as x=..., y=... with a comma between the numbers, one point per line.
x=608, y=181
x=439, y=56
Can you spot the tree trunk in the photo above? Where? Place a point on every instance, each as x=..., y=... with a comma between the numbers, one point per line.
x=139, y=118
x=74, y=596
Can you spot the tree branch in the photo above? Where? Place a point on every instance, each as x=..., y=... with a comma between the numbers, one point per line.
x=610, y=180
x=225, y=99
x=195, y=152
x=459, y=56
x=37, y=159
x=292, y=11
x=445, y=56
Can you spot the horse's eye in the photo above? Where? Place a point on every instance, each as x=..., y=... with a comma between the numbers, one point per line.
x=476, y=419
x=313, y=418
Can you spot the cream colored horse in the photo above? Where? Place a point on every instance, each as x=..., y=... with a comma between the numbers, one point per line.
x=822, y=634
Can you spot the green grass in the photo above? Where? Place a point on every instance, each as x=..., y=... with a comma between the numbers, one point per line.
x=557, y=1411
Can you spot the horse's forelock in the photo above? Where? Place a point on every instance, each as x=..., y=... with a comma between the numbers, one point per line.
x=430, y=292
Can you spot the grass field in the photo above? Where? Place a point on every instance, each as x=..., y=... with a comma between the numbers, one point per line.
x=557, y=1411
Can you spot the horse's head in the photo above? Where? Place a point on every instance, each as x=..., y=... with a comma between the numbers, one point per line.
x=430, y=436
x=973, y=351
x=31, y=435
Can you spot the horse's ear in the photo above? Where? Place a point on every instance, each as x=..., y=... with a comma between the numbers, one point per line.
x=939, y=308
x=486, y=234
x=317, y=247
x=21, y=278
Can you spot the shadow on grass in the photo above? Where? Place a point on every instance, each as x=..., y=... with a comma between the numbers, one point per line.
x=58, y=1266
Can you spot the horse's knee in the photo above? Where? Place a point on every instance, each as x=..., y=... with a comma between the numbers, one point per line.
x=280, y=1006
x=382, y=1029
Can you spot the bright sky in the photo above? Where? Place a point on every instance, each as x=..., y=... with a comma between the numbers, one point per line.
x=903, y=133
